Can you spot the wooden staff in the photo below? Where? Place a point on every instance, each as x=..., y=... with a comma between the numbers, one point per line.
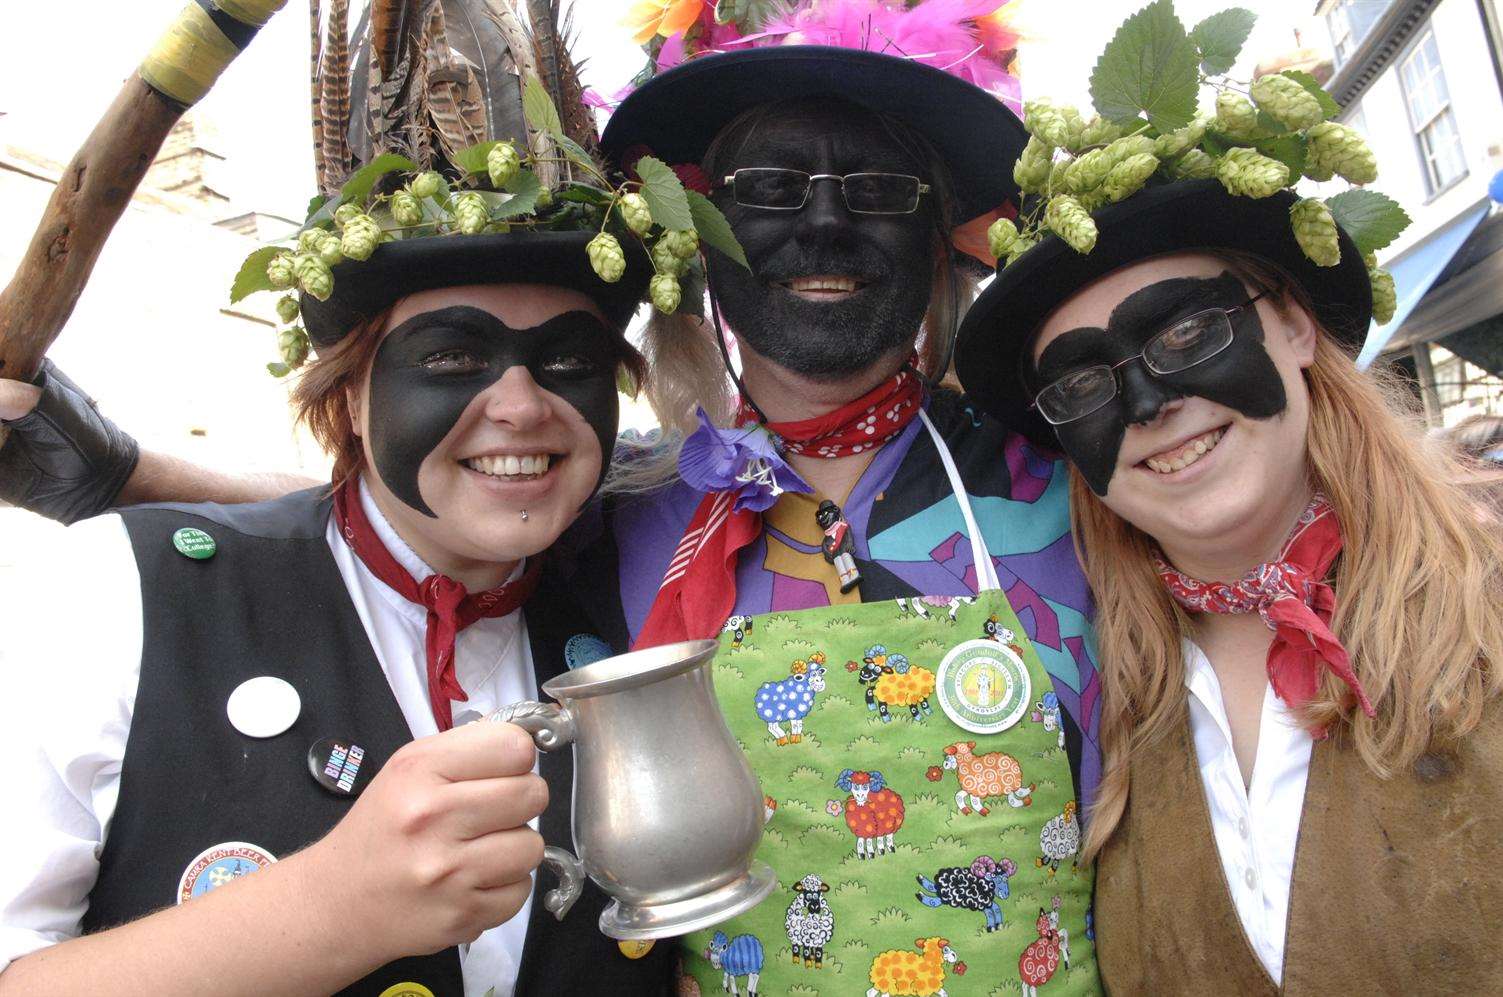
x=97, y=186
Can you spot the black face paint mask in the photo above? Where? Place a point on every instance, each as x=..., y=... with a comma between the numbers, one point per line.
x=428, y=370
x=892, y=254
x=1241, y=377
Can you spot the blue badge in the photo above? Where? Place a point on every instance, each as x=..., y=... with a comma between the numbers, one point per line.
x=585, y=649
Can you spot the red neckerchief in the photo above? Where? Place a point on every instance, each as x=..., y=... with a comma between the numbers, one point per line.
x=1294, y=600
x=450, y=608
x=699, y=587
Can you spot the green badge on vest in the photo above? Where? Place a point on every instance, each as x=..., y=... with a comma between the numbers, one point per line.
x=983, y=686
x=194, y=543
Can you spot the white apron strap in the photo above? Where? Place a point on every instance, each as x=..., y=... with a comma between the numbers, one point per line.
x=986, y=572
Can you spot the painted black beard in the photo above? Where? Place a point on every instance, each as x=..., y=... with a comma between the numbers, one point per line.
x=822, y=341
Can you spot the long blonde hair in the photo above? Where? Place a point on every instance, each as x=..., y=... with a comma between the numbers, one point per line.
x=1419, y=584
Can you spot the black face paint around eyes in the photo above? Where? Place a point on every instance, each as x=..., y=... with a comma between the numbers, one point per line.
x=1241, y=377
x=429, y=369
x=892, y=255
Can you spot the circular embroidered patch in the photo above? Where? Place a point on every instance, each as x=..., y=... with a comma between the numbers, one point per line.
x=220, y=864
x=407, y=990
x=585, y=649
x=983, y=686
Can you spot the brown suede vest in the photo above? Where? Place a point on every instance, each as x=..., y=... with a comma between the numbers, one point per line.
x=1398, y=883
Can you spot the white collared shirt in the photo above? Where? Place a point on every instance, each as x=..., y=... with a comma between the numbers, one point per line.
x=60, y=777
x=1256, y=828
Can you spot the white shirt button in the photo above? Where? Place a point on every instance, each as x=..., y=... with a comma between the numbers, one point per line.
x=1242, y=827
x=1250, y=879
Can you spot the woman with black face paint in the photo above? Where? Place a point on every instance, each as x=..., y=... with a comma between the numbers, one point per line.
x=1297, y=606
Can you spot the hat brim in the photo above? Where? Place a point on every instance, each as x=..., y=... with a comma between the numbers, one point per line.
x=363, y=289
x=1178, y=217
x=678, y=113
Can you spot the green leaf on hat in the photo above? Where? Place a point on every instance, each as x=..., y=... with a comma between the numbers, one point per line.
x=1148, y=68
x=521, y=196
x=713, y=229
x=538, y=108
x=1220, y=38
x=252, y=276
x=1373, y=220
x=358, y=187
x=1287, y=149
x=314, y=206
x=664, y=194
x=472, y=158
x=574, y=151
x=278, y=369
x=1328, y=104
x=583, y=193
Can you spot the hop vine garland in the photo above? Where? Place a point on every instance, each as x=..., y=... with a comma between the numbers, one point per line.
x=1263, y=137
x=498, y=191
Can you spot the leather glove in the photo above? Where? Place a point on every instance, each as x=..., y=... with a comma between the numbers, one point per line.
x=64, y=460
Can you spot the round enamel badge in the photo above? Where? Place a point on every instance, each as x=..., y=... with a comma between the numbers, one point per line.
x=983, y=686
x=220, y=864
x=585, y=649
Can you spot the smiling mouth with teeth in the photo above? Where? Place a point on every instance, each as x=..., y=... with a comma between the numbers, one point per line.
x=523, y=467
x=1185, y=454
x=822, y=287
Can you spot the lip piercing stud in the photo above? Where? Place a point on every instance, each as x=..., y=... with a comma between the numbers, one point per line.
x=524, y=515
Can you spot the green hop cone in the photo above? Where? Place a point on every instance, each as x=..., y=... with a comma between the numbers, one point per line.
x=1334, y=148
x=428, y=184
x=1315, y=231
x=309, y=240
x=1046, y=121
x=345, y=212
x=314, y=277
x=665, y=293
x=664, y=262
x=1059, y=171
x=606, y=257
x=683, y=242
x=361, y=236
x=1371, y=260
x=1248, y=173
x=1177, y=143
x=293, y=344
x=470, y=213
x=406, y=209
x=1288, y=103
x=1070, y=221
x=287, y=309
x=503, y=164
x=1235, y=114
x=1093, y=199
x=635, y=213
x=545, y=199
x=1020, y=247
x=1127, y=176
x=279, y=271
x=1385, y=296
x=1074, y=129
x=1000, y=236
x=328, y=249
x=1031, y=171
x=1088, y=172
x=1098, y=131
x=1127, y=147
x=1196, y=164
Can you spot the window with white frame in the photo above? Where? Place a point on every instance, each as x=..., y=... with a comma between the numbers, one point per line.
x=1349, y=22
x=1430, y=116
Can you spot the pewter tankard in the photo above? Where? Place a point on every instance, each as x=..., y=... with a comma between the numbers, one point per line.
x=667, y=813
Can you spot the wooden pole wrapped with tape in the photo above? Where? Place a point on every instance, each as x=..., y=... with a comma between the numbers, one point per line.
x=97, y=185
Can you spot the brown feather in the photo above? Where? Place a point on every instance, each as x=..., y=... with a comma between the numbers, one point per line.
x=316, y=94
x=524, y=53
x=455, y=102
x=334, y=105
x=578, y=119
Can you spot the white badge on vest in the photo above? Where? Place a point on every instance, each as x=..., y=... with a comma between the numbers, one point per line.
x=219, y=865
x=983, y=686
x=263, y=706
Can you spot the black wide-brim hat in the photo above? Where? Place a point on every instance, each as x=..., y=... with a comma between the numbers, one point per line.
x=364, y=288
x=1000, y=326
x=678, y=113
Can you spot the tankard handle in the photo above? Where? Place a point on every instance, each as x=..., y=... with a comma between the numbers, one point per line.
x=552, y=728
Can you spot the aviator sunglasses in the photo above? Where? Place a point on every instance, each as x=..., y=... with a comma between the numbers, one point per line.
x=1190, y=341
x=776, y=189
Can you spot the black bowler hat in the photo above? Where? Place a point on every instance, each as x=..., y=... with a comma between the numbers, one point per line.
x=992, y=348
x=678, y=113
x=363, y=289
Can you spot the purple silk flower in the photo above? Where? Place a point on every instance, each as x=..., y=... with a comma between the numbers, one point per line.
x=744, y=461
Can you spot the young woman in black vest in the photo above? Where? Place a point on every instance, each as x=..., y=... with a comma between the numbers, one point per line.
x=466, y=386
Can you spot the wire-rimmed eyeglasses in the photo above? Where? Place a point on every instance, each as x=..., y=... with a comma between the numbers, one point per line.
x=776, y=189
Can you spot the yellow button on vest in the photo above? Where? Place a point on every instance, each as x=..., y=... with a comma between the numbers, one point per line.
x=635, y=949
x=407, y=990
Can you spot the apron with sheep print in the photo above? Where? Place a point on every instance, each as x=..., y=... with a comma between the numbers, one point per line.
x=920, y=810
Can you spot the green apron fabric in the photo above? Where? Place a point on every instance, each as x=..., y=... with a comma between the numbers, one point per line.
x=994, y=856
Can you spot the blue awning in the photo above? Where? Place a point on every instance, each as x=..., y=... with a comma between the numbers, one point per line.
x=1413, y=274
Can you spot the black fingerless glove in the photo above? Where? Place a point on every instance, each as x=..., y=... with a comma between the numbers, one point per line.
x=64, y=460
